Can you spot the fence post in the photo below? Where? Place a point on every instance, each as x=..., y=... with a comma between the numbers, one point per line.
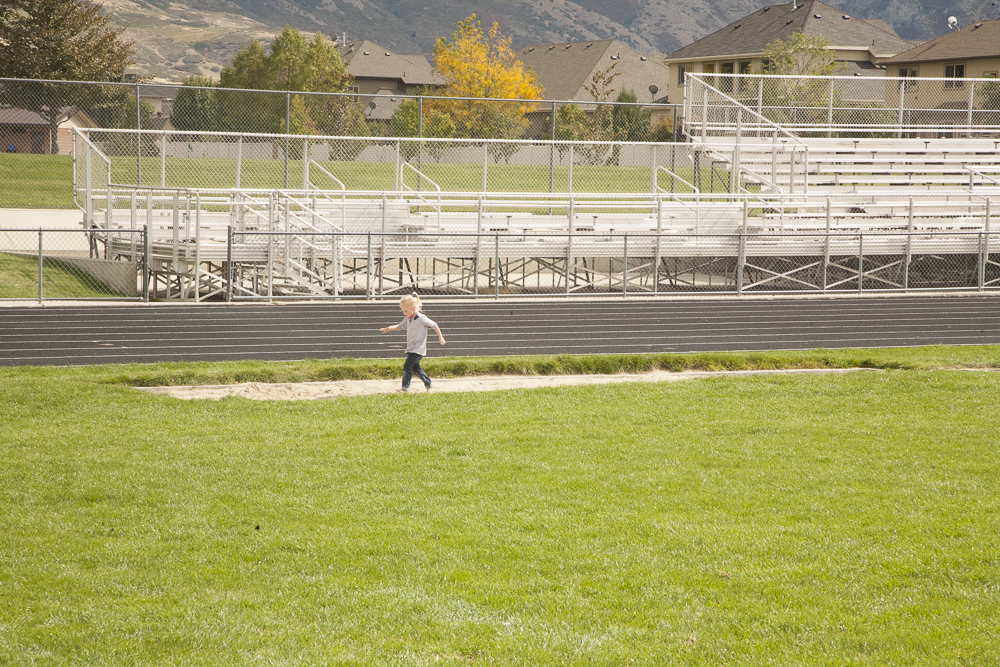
x=336, y=264
x=659, y=241
x=381, y=261
x=138, y=137
x=239, y=162
x=368, y=270
x=861, y=262
x=569, y=178
x=652, y=171
x=968, y=120
x=552, y=149
x=305, y=164
x=397, y=177
x=704, y=112
x=88, y=164
x=163, y=160
x=982, y=266
x=826, y=244
x=760, y=97
x=829, y=113
x=496, y=267
x=229, y=265
x=571, y=214
x=734, y=172
x=899, y=118
x=288, y=130
x=41, y=261
x=145, y=262
x=479, y=245
x=420, y=140
x=486, y=158
x=625, y=267
x=986, y=244
x=909, y=248
x=741, y=249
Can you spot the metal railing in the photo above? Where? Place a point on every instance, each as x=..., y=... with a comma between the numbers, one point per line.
x=841, y=106
x=292, y=244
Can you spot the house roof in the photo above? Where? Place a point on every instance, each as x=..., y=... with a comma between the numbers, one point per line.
x=752, y=33
x=165, y=92
x=976, y=40
x=368, y=60
x=564, y=70
x=15, y=116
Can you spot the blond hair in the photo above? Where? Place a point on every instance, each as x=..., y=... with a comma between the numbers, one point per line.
x=411, y=300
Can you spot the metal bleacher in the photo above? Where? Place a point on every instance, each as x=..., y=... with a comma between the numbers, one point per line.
x=758, y=208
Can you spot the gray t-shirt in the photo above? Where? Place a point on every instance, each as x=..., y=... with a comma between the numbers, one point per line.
x=416, y=332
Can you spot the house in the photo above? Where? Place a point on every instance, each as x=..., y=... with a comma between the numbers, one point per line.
x=959, y=58
x=566, y=71
x=379, y=72
x=23, y=131
x=863, y=44
x=970, y=53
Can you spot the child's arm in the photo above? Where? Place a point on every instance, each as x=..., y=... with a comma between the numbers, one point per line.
x=394, y=327
x=440, y=337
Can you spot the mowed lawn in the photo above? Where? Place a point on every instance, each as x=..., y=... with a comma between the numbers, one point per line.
x=46, y=181
x=770, y=520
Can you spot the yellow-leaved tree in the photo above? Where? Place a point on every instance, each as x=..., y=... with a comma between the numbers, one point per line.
x=478, y=64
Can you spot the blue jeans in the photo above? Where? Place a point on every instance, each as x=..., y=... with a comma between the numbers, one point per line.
x=411, y=366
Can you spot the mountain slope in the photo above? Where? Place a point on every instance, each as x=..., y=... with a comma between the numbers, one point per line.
x=181, y=37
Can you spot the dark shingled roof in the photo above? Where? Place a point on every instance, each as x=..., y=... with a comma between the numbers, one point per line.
x=976, y=40
x=564, y=70
x=368, y=60
x=814, y=18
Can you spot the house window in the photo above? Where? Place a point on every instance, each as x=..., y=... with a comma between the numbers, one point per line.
x=681, y=73
x=954, y=74
x=744, y=68
x=726, y=85
x=908, y=73
x=989, y=75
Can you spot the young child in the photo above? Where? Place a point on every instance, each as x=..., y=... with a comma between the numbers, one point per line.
x=415, y=324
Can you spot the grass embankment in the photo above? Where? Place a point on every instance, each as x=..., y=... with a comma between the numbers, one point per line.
x=315, y=370
x=19, y=280
x=770, y=520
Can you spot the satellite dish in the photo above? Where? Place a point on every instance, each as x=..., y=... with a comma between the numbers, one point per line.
x=654, y=89
x=952, y=23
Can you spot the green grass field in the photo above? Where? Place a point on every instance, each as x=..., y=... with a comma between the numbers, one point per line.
x=771, y=520
x=46, y=181
x=36, y=181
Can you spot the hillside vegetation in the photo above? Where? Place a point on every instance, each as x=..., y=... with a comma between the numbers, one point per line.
x=183, y=37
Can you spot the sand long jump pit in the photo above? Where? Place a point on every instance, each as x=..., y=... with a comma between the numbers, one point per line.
x=298, y=391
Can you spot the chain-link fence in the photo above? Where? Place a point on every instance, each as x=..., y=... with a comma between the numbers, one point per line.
x=277, y=265
x=335, y=166
x=841, y=106
x=300, y=244
x=71, y=264
x=38, y=118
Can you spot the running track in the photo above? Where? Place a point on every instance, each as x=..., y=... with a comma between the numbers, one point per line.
x=94, y=334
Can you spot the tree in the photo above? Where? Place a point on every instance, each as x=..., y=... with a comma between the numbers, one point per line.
x=66, y=40
x=795, y=57
x=631, y=123
x=196, y=107
x=436, y=125
x=293, y=64
x=481, y=65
